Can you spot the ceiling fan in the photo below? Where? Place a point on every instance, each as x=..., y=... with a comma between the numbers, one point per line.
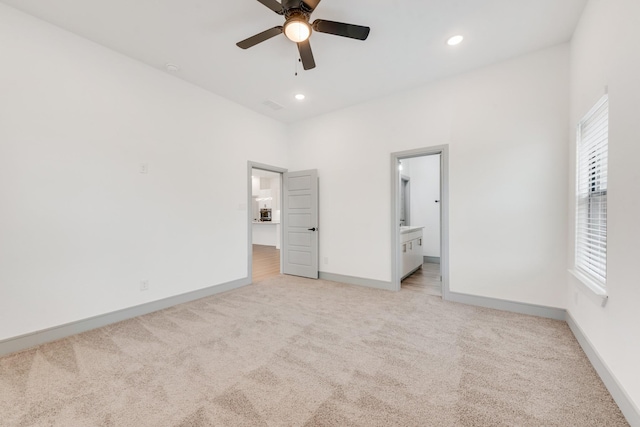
x=298, y=29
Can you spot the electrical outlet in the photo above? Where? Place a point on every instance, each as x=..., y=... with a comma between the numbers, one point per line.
x=144, y=285
x=144, y=168
x=326, y=260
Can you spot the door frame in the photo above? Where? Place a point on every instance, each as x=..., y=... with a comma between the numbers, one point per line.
x=261, y=166
x=443, y=150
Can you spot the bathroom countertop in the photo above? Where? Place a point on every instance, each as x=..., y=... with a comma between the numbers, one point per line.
x=410, y=228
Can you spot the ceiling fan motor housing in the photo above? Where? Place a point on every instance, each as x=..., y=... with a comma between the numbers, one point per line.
x=296, y=15
x=299, y=4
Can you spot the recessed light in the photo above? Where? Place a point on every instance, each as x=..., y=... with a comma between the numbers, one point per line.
x=300, y=97
x=455, y=40
x=172, y=68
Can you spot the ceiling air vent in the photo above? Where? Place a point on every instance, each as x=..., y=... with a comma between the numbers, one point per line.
x=273, y=105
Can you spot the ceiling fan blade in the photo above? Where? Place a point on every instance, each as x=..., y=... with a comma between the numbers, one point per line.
x=306, y=55
x=273, y=5
x=310, y=5
x=341, y=29
x=259, y=38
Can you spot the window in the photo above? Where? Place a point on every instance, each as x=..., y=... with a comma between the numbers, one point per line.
x=591, y=192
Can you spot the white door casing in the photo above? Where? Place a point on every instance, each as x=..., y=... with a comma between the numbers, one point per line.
x=443, y=206
x=300, y=210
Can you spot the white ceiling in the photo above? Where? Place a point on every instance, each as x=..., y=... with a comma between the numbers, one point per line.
x=406, y=47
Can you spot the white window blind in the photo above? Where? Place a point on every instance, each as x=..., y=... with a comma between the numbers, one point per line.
x=591, y=189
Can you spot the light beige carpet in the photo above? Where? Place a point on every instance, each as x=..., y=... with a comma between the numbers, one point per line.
x=295, y=352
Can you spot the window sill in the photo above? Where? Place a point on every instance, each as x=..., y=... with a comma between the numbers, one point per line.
x=591, y=285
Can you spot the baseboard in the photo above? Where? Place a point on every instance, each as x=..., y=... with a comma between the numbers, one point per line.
x=432, y=259
x=359, y=281
x=627, y=406
x=504, y=305
x=26, y=341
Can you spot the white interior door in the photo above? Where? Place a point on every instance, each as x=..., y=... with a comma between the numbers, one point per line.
x=300, y=206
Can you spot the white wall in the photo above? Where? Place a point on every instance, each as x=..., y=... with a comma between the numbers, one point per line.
x=79, y=225
x=425, y=190
x=605, y=52
x=506, y=127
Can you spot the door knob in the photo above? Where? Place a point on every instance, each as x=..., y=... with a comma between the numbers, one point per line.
x=311, y=229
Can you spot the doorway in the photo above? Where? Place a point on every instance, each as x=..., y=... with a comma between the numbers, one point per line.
x=264, y=211
x=420, y=220
x=265, y=223
x=282, y=219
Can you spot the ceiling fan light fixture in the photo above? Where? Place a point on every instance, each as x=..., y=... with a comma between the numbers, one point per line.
x=297, y=30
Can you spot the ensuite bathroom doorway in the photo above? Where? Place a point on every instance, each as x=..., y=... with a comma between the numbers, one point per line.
x=419, y=220
x=420, y=223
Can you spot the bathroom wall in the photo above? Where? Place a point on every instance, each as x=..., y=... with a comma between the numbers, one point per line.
x=424, y=191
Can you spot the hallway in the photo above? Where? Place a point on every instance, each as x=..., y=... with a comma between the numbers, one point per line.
x=266, y=262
